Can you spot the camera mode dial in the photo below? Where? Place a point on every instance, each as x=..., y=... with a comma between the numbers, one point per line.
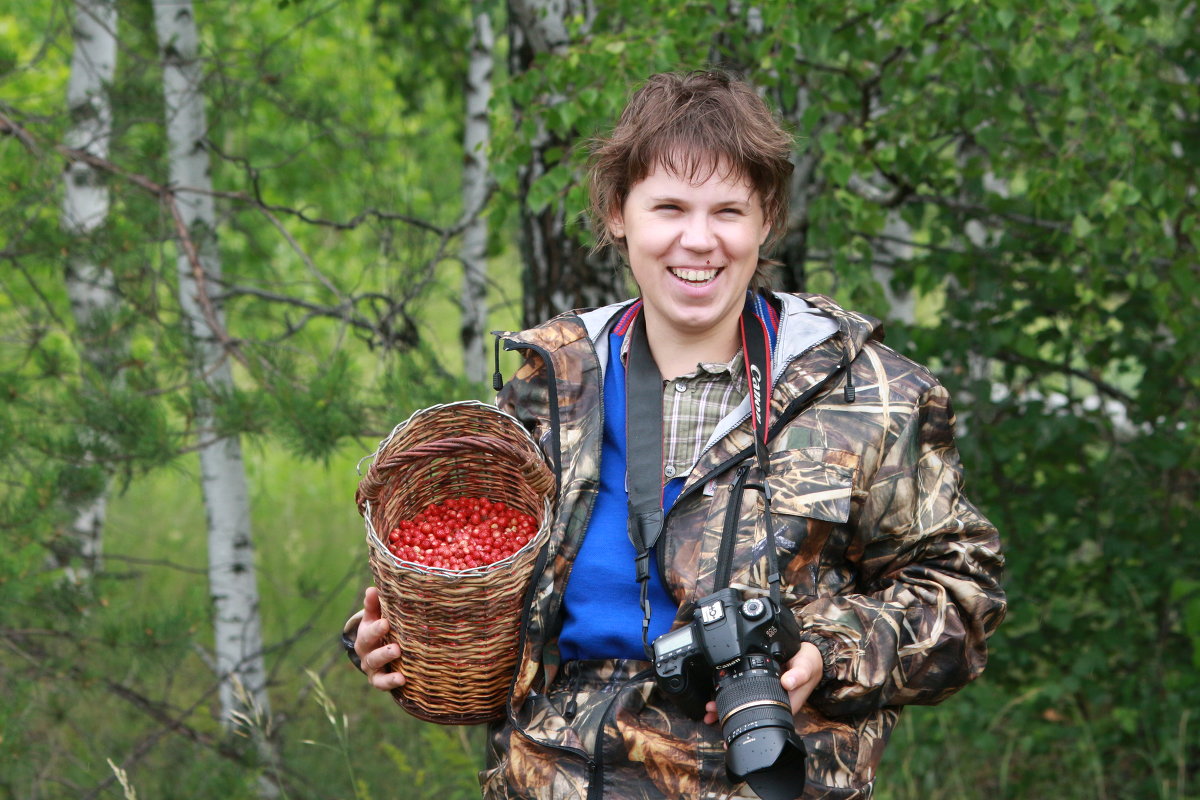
x=754, y=608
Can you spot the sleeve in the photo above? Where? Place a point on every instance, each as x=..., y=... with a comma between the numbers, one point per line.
x=929, y=568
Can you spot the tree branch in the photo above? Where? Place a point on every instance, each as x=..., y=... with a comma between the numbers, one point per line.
x=165, y=195
x=984, y=211
x=155, y=562
x=1042, y=366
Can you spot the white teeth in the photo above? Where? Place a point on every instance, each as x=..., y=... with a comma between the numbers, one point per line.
x=694, y=275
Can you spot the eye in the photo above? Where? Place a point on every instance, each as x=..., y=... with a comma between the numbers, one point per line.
x=666, y=207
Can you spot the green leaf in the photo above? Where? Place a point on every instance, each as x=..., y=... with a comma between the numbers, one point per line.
x=1081, y=228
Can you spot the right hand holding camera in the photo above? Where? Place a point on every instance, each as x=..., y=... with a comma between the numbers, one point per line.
x=373, y=653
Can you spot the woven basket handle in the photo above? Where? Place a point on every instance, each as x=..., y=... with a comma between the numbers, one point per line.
x=532, y=468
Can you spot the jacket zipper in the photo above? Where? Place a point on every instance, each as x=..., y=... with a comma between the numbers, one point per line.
x=595, y=760
x=743, y=454
x=596, y=781
x=511, y=344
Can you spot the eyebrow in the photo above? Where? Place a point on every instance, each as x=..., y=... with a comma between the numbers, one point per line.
x=680, y=201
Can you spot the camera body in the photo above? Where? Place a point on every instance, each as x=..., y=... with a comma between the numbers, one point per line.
x=735, y=649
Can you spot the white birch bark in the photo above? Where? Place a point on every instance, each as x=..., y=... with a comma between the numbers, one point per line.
x=474, y=193
x=232, y=579
x=90, y=285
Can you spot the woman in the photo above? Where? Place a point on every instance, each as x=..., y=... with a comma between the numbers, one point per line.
x=891, y=574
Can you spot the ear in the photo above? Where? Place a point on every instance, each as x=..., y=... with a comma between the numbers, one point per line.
x=764, y=233
x=616, y=224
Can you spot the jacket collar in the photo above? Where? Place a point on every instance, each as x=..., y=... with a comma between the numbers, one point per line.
x=855, y=329
x=806, y=320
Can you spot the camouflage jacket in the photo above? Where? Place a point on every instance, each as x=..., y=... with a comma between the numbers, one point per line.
x=881, y=556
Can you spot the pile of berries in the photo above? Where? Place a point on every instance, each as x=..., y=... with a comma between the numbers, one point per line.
x=461, y=533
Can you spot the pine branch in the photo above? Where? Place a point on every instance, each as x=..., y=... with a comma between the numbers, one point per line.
x=166, y=195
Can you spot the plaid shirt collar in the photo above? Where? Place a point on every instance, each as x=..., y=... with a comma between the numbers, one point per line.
x=694, y=403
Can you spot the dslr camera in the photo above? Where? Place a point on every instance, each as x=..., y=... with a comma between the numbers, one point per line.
x=735, y=648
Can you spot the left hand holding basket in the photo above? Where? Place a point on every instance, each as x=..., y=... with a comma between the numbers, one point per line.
x=369, y=644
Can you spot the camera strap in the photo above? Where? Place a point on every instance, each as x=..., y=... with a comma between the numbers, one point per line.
x=756, y=346
x=644, y=460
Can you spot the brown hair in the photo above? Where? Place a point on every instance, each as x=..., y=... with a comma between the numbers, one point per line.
x=692, y=123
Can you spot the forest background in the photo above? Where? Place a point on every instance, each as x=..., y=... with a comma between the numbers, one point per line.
x=239, y=241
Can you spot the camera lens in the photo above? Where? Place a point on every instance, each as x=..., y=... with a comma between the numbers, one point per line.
x=756, y=721
x=752, y=699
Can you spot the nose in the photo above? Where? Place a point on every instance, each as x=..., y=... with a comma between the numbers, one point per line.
x=698, y=234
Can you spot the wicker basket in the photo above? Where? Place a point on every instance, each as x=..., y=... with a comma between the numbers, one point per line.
x=457, y=630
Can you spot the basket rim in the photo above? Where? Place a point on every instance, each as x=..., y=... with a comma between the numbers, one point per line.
x=439, y=407
x=425, y=569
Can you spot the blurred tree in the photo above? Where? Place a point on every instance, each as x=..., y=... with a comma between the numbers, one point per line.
x=232, y=577
x=560, y=271
x=91, y=286
x=477, y=90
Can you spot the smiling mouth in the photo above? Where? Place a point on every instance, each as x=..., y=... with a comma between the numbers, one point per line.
x=695, y=277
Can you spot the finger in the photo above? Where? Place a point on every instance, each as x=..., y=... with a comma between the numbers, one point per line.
x=371, y=607
x=795, y=678
x=370, y=637
x=378, y=658
x=710, y=713
x=386, y=681
x=375, y=665
x=805, y=667
x=802, y=675
x=798, y=687
x=798, y=683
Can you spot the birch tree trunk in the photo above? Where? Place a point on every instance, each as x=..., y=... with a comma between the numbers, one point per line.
x=232, y=578
x=559, y=272
x=474, y=192
x=90, y=285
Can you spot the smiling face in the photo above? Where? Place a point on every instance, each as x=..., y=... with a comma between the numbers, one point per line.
x=693, y=248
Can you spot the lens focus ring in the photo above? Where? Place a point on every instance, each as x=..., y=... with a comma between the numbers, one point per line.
x=754, y=696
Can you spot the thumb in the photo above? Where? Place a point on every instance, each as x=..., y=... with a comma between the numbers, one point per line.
x=371, y=608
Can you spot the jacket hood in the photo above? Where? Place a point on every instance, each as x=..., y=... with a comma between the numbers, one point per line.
x=856, y=329
x=809, y=323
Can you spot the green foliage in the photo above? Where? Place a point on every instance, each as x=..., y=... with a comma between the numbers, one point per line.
x=442, y=764
x=1028, y=170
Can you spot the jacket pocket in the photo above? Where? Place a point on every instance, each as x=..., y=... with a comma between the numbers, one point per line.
x=813, y=482
x=812, y=493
